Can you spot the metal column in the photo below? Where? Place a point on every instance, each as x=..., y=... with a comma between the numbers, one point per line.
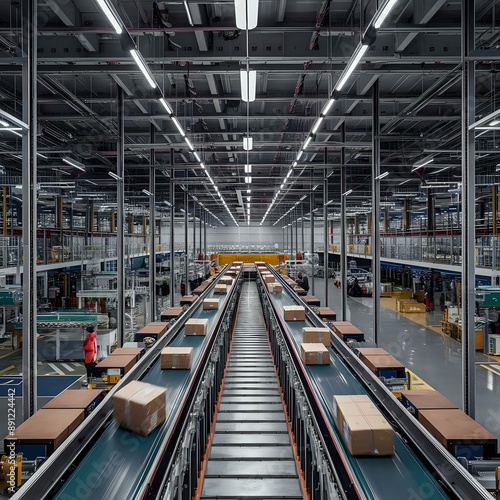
x=29, y=210
x=205, y=217
x=186, y=253
x=120, y=235
x=311, y=225
x=302, y=227
x=343, y=243
x=376, y=209
x=152, y=226
x=325, y=230
x=172, y=216
x=468, y=212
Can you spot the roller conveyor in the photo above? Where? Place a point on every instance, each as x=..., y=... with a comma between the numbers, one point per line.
x=251, y=454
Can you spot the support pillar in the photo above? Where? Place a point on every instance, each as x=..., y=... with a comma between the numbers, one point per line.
x=120, y=210
x=172, y=216
x=375, y=246
x=152, y=225
x=468, y=209
x=343, y=229
x=29, y=208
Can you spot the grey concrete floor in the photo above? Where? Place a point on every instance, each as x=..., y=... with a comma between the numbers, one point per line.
x=435, y=358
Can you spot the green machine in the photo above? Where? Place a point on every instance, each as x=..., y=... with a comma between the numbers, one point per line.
x=488, y=296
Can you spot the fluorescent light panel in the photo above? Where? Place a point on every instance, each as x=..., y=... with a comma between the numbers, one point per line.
x=384, y=13
x=248, y=81
x=247, y=13
x=178, y=125
x=247, y=143
x=166, y=105
x=74, y=163
x=112, y=18
x=143, y=67
x=352, y=66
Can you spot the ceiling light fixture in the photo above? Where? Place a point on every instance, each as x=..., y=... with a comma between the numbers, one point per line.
x=248, y=169
x=347, y=193
x=147, y=193
x=188, y=142
x=248, y=180
x=116, y=177
x=178, y=125
x=143, y=67
x=381, y=176
x=3, y=123
x=351, y=66
x=166, y=105
x=246, y=13
x=188, y=12
x=74, y=163
x=317, y=124
x=248, y=81
x=416, y=166
x=384, y=12
x=109, y=11
x=247, y=143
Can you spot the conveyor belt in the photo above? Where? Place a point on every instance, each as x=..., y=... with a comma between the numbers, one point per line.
x=251, y=454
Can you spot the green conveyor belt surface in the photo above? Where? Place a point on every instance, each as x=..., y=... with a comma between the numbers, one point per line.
x=118, y=463
x=396, y=477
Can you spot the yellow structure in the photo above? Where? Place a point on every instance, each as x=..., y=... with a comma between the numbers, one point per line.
x=274, y=259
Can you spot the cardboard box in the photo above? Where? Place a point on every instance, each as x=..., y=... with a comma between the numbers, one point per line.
x=220, y=289
x=140, y=407
x=269, y=278
x=187, y=300
x=211, y=304
x=424, y=399
x=226, y=281
x=316, y=335
x=384, y=365
x=311, y=300
x=357, y=435
x=294, y=313
x=138, y=352
x=176, y=358
x=362, y=352
x=314, y=354
x=195, y=326
x=122, y=362
x=456, y=431
x=76, y=399
x=154, y=330
x=327, y=313
x=382, y=435
x=364, y=429
x=171, y=313
x=275, y=287
x=44, y=431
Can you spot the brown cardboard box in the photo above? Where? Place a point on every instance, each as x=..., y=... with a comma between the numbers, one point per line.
x=314, y=354
x=76, y=399
x=122, y=361
x=126, y=351
x=357, y=435
x=269, y=278
x=171, y=312
x=454, y=426
x=48, y=426
x=345, y=327
x=176, y=358
x=275, y=287
x=294, y=313
x=140, y=407
x=349, y=401
x=187, y=300
x=196, y=326
x=211, y=304
x=158, y=328
x=220, y=289
x=424, y=399
x=370, y=351
x=382, y=435
x=316, y=335
x=226, y=281
x=382, y=361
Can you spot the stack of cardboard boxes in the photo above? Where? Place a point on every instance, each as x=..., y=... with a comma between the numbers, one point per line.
x=363, y=428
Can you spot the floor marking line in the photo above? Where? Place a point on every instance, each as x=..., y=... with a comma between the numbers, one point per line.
x=68, y=367
x=5, y=370
x=56, y=369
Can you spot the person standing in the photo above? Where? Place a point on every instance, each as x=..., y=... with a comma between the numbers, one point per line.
x=90, y=351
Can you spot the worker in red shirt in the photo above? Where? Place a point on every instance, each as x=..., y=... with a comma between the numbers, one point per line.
x=90, y=350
